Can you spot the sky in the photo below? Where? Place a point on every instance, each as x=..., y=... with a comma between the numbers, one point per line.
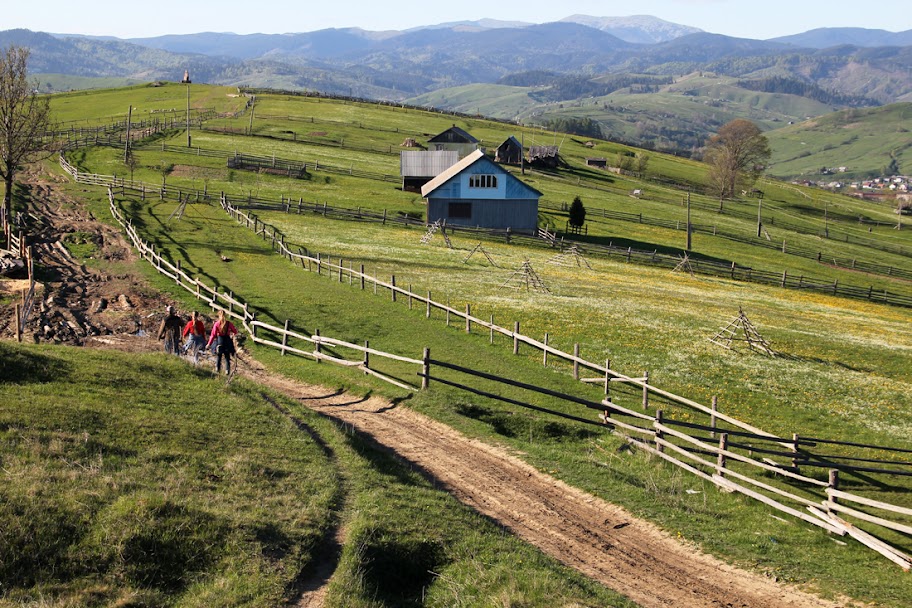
x=739, y=18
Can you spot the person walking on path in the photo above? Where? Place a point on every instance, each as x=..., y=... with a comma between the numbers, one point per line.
x=222, y=332
x=195, y=335
x=170, y=331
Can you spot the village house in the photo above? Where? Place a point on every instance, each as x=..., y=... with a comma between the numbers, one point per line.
x=454, y=139
x=476, y=191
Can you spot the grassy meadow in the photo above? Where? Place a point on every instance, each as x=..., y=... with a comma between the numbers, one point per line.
x=843, y=370
x=137, y=480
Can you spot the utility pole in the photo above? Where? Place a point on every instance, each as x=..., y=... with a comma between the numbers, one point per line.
x=826, y=220
x=759, y=210
x=689, y=230
x=127, y=145
x=186, y=81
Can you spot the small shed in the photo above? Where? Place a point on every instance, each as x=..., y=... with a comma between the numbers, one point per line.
x=598, y=163
x=454, y=139
x=544, y=156
x=476, y=191
x=510, y=152
x=419, y=167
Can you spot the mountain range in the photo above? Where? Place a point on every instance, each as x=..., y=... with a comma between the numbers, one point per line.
x=571, y=59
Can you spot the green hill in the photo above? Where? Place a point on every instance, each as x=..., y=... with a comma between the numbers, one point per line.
x=865, y=141
x=842, y=367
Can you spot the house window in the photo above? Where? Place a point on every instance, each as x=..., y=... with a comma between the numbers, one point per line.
x=460, y=211
x=482, y=181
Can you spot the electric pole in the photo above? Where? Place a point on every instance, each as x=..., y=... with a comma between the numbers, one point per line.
x=759, y=209
x=689, y=230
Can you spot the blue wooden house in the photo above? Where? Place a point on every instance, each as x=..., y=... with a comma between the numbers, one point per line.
x=476, y=191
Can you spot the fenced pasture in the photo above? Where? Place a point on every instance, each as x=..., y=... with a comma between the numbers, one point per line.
x=738, y=442
x=842, y=365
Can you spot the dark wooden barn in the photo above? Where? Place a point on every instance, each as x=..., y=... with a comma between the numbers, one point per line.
x=510, y=152
x=543, y=156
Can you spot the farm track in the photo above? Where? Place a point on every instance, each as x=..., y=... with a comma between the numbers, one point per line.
x=600, y=540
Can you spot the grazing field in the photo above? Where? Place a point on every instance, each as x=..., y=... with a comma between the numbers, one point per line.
x=842, y=369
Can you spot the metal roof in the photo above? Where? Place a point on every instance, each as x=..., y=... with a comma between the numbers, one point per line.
x=419, y=163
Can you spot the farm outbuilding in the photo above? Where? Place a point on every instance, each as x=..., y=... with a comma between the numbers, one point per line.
x=455, y=139
x=544, y=156
x=510, y=152
x=476, y=191
x=419, y=167
x=598, y=163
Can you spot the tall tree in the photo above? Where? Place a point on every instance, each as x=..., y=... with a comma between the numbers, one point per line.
x=737, y=156
x=24, y=118
x=577, y=213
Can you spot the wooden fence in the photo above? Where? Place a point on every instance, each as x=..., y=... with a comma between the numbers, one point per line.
x=280, y=338
x=683, y=444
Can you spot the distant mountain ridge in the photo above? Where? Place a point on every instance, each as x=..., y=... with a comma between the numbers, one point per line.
x=827, y=37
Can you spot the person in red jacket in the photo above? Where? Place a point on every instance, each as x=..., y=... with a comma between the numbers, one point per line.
x=195, y=335
x=222, y=333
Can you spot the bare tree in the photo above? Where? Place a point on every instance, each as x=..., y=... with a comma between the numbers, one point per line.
x=737, y=156
x=24, y=119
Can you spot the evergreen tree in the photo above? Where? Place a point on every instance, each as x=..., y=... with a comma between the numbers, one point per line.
x=577, y=213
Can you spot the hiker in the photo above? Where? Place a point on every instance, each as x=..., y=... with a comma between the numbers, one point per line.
x=195, y=335
x=221, y=335
x=170, y=331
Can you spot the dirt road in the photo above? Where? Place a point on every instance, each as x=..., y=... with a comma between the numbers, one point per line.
x=599, y=539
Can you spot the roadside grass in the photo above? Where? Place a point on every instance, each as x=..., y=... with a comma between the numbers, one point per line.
x=838, y=377
x=139, y=480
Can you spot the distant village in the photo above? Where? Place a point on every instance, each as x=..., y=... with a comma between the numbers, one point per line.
x=878, y=188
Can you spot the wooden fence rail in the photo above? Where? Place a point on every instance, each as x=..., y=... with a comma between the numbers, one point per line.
x=237, y=309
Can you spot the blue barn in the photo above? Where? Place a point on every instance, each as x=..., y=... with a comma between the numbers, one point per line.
x=476, y=191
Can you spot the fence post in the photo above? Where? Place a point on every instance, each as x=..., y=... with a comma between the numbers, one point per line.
x=341, y=264
x=607, y=378
x=410, y=296
x=658, y=436
x=18, y=323
x=720, y=460
x=712, y=416
x=426, y=368
x=492, y=329
x=351, y=274
x=393, y=288
x=427, y=314
x=795, y=451
x=285, y=336
x=468, y=320
x=545, y=350
x=645, y=390
x=516, y=337
x=833, y=485
x=316, y=335
x=366, y=363
x=362, y=277
x=576, y=351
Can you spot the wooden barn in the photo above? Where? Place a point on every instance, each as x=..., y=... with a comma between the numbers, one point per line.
x=510, y=152
x=544, y=156
x=476, y=191
x=419, y=167
x=454, y=139
x=598, y=163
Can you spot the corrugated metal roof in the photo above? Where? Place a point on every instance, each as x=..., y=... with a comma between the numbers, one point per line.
x=426, y=163
x=441, y=179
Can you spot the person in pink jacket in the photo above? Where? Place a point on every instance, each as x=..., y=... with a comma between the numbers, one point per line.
x=222, y=332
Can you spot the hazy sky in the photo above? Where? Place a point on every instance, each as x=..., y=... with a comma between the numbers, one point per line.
x=742, y=18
